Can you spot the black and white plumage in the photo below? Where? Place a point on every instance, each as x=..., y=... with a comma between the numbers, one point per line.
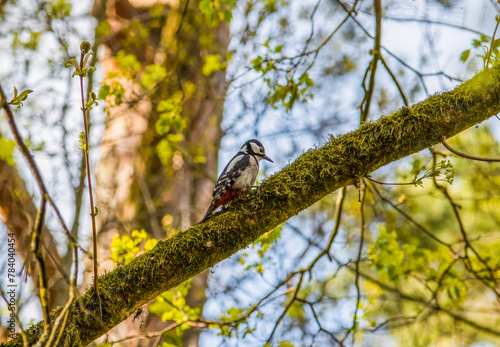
x=238, y=176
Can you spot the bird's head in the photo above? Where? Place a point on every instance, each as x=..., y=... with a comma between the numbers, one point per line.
x=254, y=147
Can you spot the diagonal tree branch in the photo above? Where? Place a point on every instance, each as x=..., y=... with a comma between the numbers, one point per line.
x=4, y=104
x=315, y=174
x=18, y=212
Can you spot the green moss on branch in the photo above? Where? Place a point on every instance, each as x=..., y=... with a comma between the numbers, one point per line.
x=316, y=173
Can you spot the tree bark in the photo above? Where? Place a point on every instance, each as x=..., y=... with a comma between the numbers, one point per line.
x=135, y=189
x=316, y=173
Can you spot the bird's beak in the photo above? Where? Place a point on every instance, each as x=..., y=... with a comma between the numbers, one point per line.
x=267, y=158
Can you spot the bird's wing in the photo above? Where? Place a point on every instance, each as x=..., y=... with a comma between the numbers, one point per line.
x=230, y=173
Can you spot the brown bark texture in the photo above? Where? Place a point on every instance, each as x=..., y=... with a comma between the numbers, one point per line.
x=134, y=188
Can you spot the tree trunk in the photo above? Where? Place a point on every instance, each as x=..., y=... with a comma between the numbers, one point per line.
x=136, y=189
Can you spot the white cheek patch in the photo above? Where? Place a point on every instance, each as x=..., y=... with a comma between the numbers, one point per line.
x=255, y=147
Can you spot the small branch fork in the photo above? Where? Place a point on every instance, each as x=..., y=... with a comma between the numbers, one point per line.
x=295, y=292
x=372, y=67
x=489, y=281
x=36, y=242
x=51, y=333
x=34, y=168
x=464, y=155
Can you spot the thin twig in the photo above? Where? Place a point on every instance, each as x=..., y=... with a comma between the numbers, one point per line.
x=391, y=184
x=36, y=248
x=31, y=162
x=63, y=316
x=420, y=300
x=157, y=230
x=290, y=303
x=80, y=188
x=394, y=79
x=311, y=34
x=434, y=22
x=491, y=44
x=410, y=219
x=316, y=50
x=468, y=244
x=86, y=149
x=464, y=155
x=184, y=13
x=360, y=252
x=338, y=213
x=377, y=4
x=401, y=61
x=148, y=335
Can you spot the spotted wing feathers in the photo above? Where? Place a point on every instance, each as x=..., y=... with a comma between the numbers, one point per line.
x=222, y=190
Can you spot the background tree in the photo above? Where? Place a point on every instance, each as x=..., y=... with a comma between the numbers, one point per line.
x=403, y=258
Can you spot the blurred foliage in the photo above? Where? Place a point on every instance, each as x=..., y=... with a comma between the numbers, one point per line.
x=7, y=150
x=428, y=270
x=125, y=248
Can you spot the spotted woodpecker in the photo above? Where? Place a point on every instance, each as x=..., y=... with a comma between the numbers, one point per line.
x=238, y=176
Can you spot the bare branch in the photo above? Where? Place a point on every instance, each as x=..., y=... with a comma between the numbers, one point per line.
x=464, y=155
x=31, y=162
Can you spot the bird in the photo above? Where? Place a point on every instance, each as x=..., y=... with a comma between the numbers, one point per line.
x=238, y=176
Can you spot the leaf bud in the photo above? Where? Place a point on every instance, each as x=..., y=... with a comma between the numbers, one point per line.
x=85, y=47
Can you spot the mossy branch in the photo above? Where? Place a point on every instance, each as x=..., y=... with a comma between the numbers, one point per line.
x=316, y=173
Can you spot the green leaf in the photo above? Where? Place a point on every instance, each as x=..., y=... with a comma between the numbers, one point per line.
x=152, y=75
x=72, y=62
x=104, y=91
x=103, y=29
x=18, y=99
x=228, y=15
x=175, y=137
x=495, y=44
x=116, y=90
x=165, y=151
x=257, y=63
x=125, y=248
x=212, y=62
x=86, y=59
x=205, y=7
x=128, y=62
x=25, y=93
x=465, y=55
x=7, y=150
x=58, y=9
x=272, y=236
